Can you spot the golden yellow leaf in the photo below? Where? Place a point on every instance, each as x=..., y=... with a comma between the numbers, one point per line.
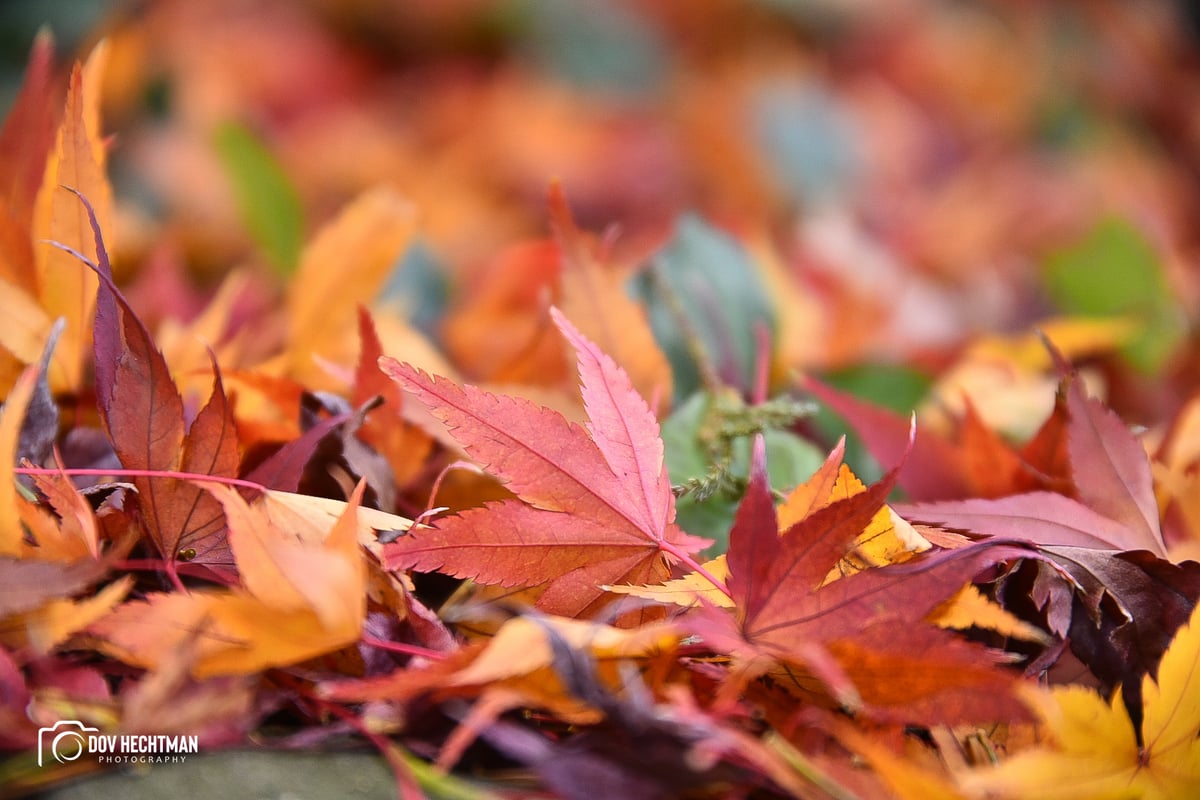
x=685, y=591
x=887, y=539
x=302, y=598
x=1074, y=337
x=815, y=493
x=969, y=608
x=1092, y=751
x=1007, y=380
x=310, y=516
x=67, y=288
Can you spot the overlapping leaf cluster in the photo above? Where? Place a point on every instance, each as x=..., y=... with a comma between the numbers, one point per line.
x=305, y=513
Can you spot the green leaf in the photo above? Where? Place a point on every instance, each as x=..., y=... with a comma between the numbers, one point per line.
x=706, y=277
x=595, y=44
x=790, y=461
x=1114, y=271
x=269, y=204
x=419, y=288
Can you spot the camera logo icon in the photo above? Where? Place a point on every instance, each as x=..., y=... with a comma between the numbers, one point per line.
x=66, y=740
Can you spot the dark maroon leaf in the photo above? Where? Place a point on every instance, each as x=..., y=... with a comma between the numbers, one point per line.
x=1126, y=612
x=285, y=467
x=1038, y=517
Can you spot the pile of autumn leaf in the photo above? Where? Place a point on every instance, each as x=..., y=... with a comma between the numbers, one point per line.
x=232, y=567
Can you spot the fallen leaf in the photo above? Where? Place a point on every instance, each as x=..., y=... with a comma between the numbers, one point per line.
x=344, y=266
x=689, y=590
x=595, y=300
x=596, y=508
x=970, y=609
x=1093, y=750
x=1111, y=470
x=300, y=599
x=65, y=288
x=47, y=626
x=1039, y=517
x=861, y=638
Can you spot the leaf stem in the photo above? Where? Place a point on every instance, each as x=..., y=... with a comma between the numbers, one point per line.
x=141, y=473
x=688, y=561
x=204, y=571
x=401, y=647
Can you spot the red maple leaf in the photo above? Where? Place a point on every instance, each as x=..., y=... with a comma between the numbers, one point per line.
x=595, y=504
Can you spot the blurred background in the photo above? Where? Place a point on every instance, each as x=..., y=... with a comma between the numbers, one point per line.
x=886, y=182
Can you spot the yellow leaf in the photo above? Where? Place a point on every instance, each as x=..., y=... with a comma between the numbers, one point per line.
x=1005, y=377
x=304, y=513
x=969, y=608
x=67, y=288
x=814, y=494
x=685, y=591
x=1074, y=337
x=887, y=539
x=343, y=267
x=1093, y=753
x=304, y=596
x=285, y=573
x=904, y=777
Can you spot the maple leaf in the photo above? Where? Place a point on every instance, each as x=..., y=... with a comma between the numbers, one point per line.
x=403, y=445
x=863, y=636
x=1124, y=600
x=1110, y=469
x=144, y=416
x=595, y=506
x=363, y=241
x=78, y=160
x=1095, y=750
x=303, y=594
x=70, y=532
